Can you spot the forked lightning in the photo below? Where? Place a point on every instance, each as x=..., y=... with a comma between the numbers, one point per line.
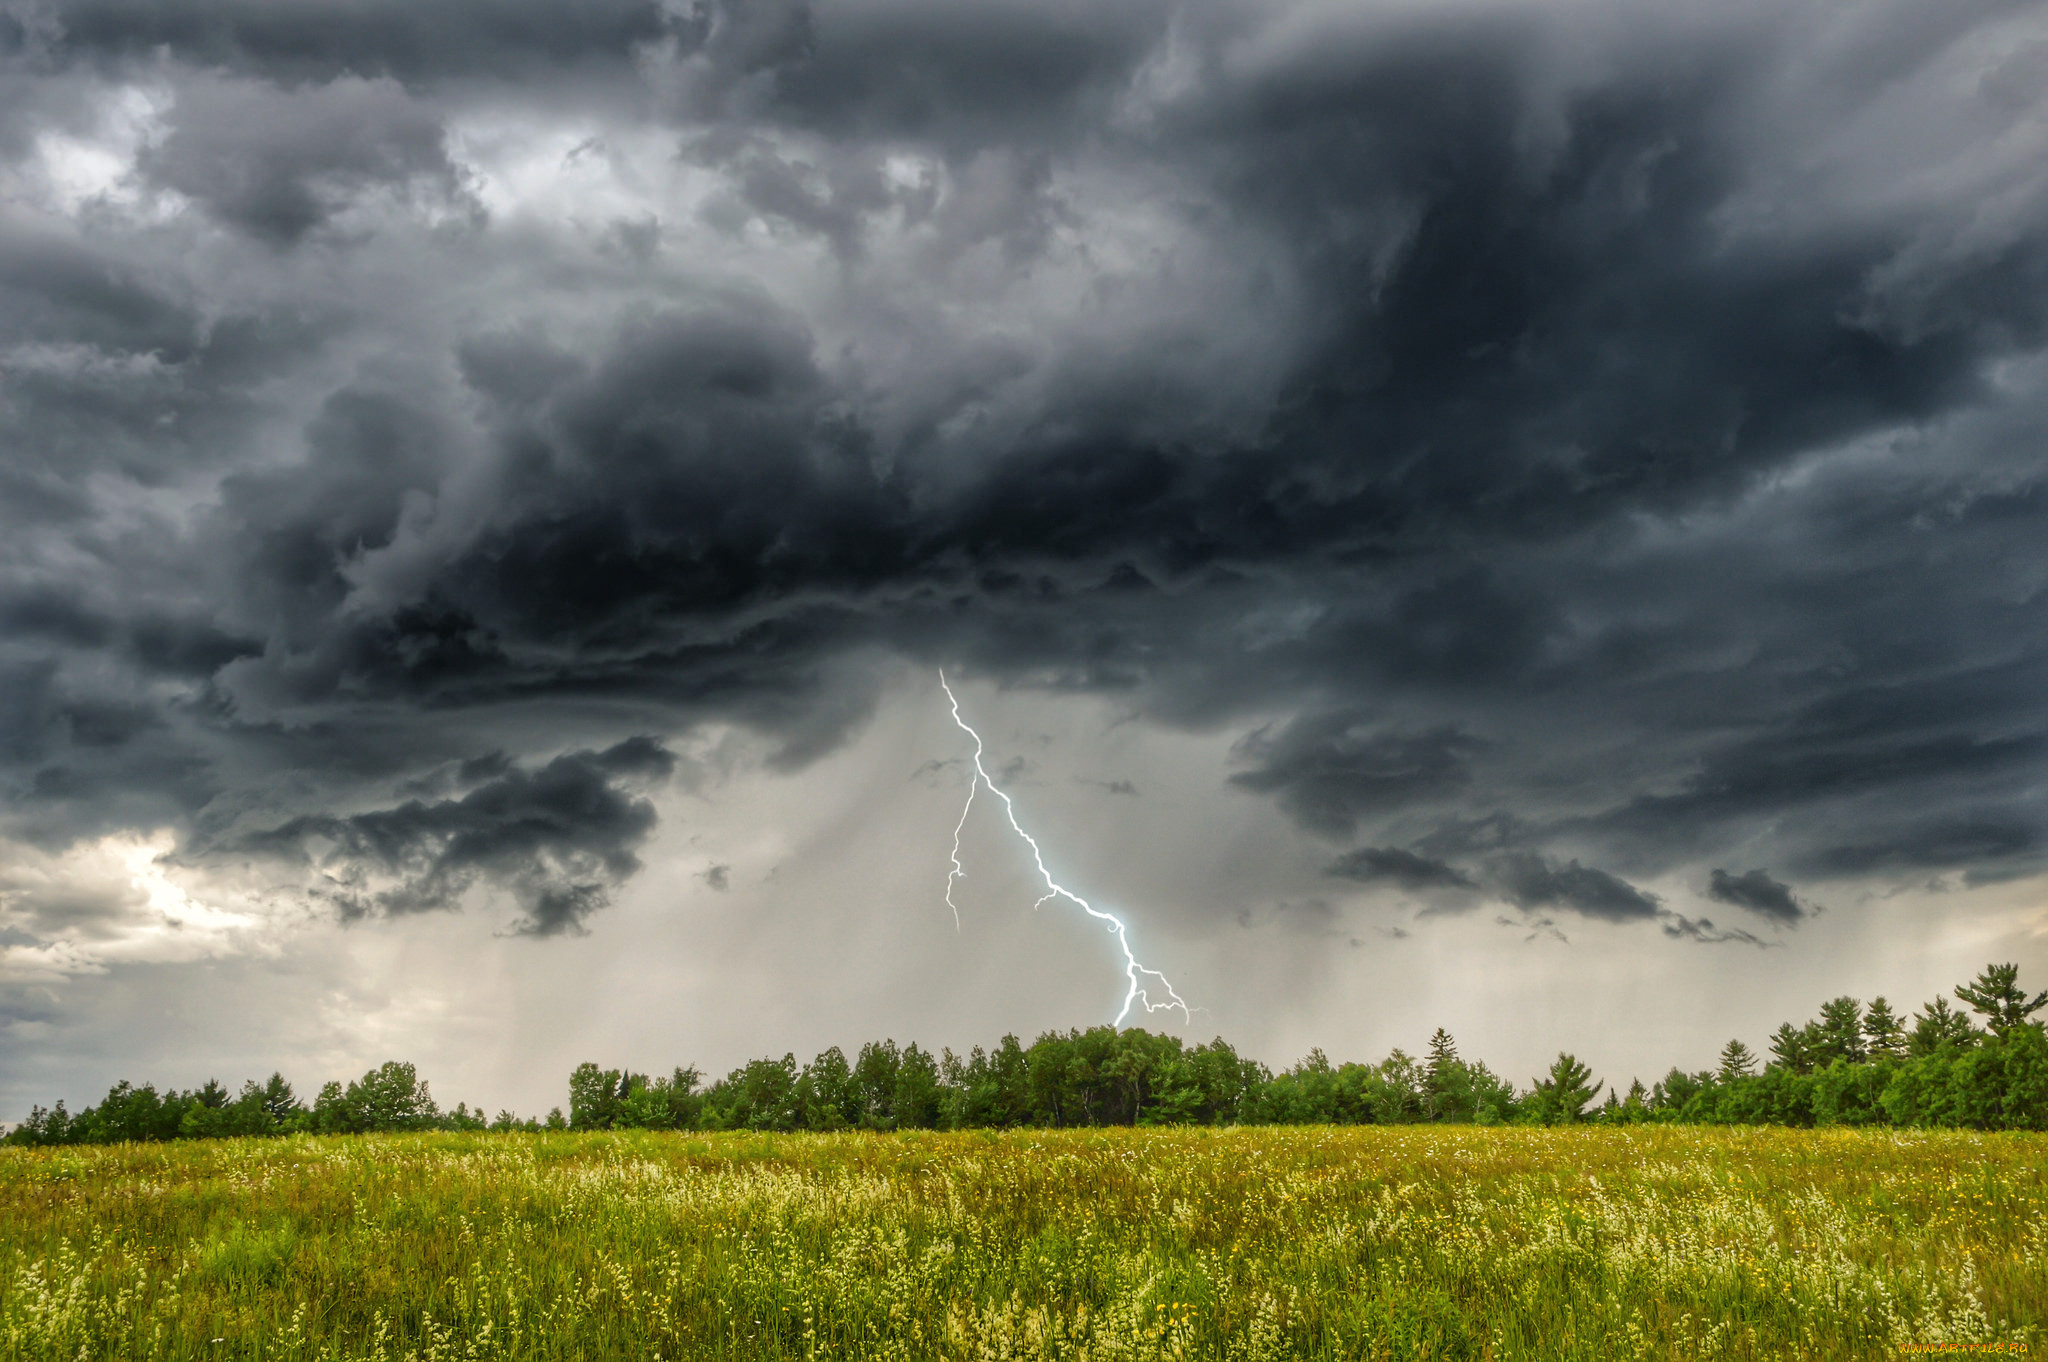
x=1134, y=972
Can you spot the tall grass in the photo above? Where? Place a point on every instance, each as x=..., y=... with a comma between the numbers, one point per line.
x=1233, y=1244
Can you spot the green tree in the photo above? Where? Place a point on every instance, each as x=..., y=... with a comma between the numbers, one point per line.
x=330, y=1111
x=671, y=1103
x=391, y=1096
x=130, y=1113
x=1394, y=1088
x=462, y=1118
x=1737, y=1060
x=1849, y=1094
x=1669, y=1096
x=1176, y=1095
x=825, y=1093
x=1562, y=1095
x=1996, y=996
x=916, y=1102
x=874, y=1084
x=1443, y=1052
x=763, y=1095
x=1229, y=1082
x=1790, y=1049
x=1446, y=1083
x=594, y=1097
x=1839, y=1033
x=1493, y=1097
x=1937, y=1026
x=1884, y=1033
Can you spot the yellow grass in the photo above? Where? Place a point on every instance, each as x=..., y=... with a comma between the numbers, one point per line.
x=1239, y=1244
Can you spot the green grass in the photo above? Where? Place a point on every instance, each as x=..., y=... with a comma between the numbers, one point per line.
x=1239, y=1244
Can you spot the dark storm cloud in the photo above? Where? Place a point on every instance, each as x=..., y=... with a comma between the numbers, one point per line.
x=279, y=164
x=1680, y=927
x=558, y=837
x=1540, y=430
x=1328, y=770
x=324, y=39
x=1402, y=869
x=1991, y=846
x=1758, y=892
x=1531, y=881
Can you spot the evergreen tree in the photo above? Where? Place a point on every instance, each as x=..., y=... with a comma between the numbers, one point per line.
x=1562, y=1096
x=279, y=1101
x=1938, y=1025
x=1443, y=1051
x=1996, y=996
x=1884, y=1032
x=1446, y=1082
x=1839, y=1033
x=1790, y=1049
x=1737, y=1061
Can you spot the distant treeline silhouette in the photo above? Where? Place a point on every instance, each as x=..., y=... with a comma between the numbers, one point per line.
x=1852, y=1065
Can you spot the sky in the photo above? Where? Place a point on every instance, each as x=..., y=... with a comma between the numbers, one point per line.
x=1525, y=518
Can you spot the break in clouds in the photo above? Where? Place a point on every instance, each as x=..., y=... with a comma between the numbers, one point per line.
x=1561, y=446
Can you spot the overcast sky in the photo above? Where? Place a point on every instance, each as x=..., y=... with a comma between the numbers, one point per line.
x=1527, y=518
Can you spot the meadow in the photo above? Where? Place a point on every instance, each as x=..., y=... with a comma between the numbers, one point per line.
x=1252, y=1244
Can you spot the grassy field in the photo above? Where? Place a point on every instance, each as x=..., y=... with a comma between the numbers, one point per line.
x=1238, y=1244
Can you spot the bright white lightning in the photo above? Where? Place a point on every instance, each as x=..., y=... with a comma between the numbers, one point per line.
x=1134, y=972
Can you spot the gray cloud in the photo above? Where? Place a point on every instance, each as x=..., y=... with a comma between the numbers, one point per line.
x=1681, y=927
x=324, y=40
x=1758, y=892
x=1402, y=869
x=558, y=837
x=279, y=163
x=1530, y=881
x=1526, y=431
x=1329, y=770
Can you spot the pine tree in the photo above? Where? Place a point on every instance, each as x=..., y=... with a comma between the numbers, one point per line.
x=1442, y=1051
x=1737, y=1061
x=1446, y=1081
x=1883, y=1030
x=1936, y=1025
x=1996, y=996
x=1840, y=1032
x=1789, y=1049
x=1564, y=1094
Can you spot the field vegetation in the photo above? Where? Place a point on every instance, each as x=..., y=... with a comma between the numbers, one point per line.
x=1603, y=1242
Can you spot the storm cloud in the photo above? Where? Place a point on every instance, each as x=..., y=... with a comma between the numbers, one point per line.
x=1560, y=449
x=1758, y=892
x=1403, y=869
x=557, y=837
x=1537, y=882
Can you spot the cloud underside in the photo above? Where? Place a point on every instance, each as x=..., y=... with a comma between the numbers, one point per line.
x=1567, y=448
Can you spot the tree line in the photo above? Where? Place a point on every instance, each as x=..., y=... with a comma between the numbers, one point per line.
x=1854, y=1064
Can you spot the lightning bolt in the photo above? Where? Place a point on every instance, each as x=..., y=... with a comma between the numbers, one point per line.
x=1134, y=973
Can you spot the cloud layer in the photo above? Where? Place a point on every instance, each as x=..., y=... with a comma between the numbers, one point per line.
x=1565, y=446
